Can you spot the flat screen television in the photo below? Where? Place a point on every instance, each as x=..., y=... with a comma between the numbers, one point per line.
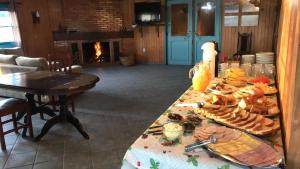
x=147, y=12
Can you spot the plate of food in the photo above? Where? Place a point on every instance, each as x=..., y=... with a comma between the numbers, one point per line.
x=241, y=119
x=221, y=88
x=261, y=79
x=260, y=105
x=221, y=100
x=235, y=77
x=268, y=90
x=239, y=147
x=248, y=91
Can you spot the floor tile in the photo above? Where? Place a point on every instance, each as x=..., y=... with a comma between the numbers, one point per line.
x=22, y=159
x=23, y=167
x=102, y=161
x=78, y=161
x=77, y=146
x=51, y=153
x=3, y=160
x=22, y=147
x=55, y=164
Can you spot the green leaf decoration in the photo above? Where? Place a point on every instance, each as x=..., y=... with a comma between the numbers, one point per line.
x=154, y=164
x=193, y=160
x=226, y=166
x=129, y=148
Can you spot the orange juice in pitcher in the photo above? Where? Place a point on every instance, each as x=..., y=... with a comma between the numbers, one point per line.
x=201, y=76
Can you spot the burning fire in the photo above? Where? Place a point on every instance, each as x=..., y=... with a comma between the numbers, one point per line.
x=98, y=50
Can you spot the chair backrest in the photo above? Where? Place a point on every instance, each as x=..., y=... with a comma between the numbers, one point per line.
x=60, y=62
x=244, y=43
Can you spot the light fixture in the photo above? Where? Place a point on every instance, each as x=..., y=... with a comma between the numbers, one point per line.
x=255, y=2
x=35, y=16
x=208, y=6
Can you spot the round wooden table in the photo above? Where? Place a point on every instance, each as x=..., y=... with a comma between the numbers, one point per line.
x=59, y=84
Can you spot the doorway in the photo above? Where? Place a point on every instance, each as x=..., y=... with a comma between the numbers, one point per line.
x=189, y=25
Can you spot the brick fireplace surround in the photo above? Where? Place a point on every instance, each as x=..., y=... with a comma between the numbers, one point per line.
x=91, y=21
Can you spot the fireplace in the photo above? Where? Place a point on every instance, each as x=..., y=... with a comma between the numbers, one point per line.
x=81, y=45
x=95, y=52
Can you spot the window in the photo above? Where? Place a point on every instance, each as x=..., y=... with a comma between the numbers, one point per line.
x=241, y=13
x=8, y=30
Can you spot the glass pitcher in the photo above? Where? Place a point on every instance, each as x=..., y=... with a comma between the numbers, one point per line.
x=201, y=76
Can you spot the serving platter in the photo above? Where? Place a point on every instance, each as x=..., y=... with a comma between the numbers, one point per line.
x=272, y=81
x=239, y=147
x=230, y=89
x=267, y=128
x=226, y=157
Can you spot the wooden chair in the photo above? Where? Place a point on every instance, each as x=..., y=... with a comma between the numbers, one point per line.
x=10, y=107
x=60, y=63
x=243, y=45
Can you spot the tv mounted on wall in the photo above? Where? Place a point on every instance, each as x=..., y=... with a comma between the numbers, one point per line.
x=147, y=13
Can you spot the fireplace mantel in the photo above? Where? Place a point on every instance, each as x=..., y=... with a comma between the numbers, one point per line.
x=73, y=36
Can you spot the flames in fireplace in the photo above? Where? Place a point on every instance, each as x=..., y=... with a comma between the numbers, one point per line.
x=98, y=52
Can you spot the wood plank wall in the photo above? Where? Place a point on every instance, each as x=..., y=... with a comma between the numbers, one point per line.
x=262, y=35
x=288, y=70
x=36, y=38
x=52, y=17
x=149, y=42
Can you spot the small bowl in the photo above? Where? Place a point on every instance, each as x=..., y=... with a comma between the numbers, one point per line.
x=195, y=120
x=172, y=131
x=188, y=127
x=173, y=117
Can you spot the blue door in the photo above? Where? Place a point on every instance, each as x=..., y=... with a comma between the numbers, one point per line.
x=207, y=24
x=190, y=23
x=179, y=32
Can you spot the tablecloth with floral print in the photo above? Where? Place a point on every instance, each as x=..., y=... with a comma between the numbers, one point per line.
x=147, y=152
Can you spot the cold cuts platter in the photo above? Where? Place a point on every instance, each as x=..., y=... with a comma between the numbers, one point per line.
x=239, y=147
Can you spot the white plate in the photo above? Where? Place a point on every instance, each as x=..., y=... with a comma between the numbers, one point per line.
x=223, y=92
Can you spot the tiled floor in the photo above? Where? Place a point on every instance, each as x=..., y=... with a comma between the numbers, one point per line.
x=64, y=147
x=116, y=112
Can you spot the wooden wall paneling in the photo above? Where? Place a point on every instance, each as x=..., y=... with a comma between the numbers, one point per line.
x=128, y=13
x=288, y=70
x=262, y=35
x=150, y=39
x=293, y=152
x=55, y=11
x=36, y=38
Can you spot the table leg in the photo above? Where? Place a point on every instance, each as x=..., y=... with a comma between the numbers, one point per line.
x=50, y=123
x=34, y=110
x=65, y=113
x=75, y=122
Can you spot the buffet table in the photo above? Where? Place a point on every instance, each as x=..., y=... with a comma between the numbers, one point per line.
x=150, y=151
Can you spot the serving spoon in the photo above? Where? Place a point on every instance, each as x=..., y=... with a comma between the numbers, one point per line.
x=211, y=140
